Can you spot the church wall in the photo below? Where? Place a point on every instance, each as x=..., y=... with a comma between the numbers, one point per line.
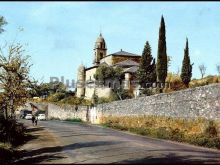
x=89, y=92
x=90, y=73
x=104, y=92
x=100, y=91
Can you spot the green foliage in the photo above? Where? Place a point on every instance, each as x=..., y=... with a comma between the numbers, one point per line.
x=186, y=73
x=95, y=98
x=161, y=68
x=104, y=71
x=203, y=140
x=14, y=78
x=148, y=92
x=102, y=100
x=122, y=94
x=56, y=97
x=46, y=89
x=2, y=23
x=146, y=72
x=73, y=100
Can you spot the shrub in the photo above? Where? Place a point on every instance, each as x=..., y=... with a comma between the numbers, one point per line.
x=148, y=92
x=163, y=133
x=6, y=153
x=205, y=81
x=102, y=100
x=54, y=118
x=56, y=97
x=74, y=119
x=12, y=132
x=211, y=130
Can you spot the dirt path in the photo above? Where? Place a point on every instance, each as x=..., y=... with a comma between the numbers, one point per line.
x=44, y=147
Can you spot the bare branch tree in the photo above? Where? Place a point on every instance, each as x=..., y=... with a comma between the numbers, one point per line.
x=202, y=69
x=218, y=68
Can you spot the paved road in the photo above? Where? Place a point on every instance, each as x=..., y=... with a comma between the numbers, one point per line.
x=84, y=143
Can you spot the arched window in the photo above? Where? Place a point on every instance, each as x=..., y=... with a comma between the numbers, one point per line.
x=109, y=85
x=101, y=55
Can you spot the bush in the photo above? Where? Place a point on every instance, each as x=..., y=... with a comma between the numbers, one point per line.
x=163, y=133
x=12, y=132
x=205, y=81
x=148, y=92
x=177, y=135
x=56, y=97
x=102, y=100
x=211, y=130
x=6, y=153
x=74, y=119
x=203, y=140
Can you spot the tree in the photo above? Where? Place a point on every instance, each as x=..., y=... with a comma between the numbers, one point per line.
x=103, y=72
x=161, y=68
x=146, y=72
x=46, y=89
x=95, y=97
x=2, y=23
x=202, y=69
x=122, y=93
x=14, y=78
x=218, y=68
x=186, y=72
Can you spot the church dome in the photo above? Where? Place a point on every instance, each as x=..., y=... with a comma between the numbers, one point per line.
x=100, y=42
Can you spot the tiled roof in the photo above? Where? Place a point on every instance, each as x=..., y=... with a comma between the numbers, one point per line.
x=123, y=53
x=131, y=69
x=127, y=63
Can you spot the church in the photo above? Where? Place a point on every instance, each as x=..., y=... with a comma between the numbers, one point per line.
x=86, y=85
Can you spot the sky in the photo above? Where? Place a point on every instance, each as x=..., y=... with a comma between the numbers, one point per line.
x=59, y=36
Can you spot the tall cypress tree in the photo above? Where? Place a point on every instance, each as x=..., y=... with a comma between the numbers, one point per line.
x=161, y=67
x=186, y=72
x=146, y=72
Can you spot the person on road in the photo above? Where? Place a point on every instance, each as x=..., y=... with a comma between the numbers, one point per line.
x=36, y=120
x=33, y=119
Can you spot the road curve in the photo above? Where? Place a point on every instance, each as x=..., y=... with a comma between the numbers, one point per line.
x=84, y=143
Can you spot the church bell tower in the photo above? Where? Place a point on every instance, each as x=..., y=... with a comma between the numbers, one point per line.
x=100, y=49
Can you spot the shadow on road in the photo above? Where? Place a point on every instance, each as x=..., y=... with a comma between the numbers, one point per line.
x=51, y=153
x=34, y=129
x=171, y=158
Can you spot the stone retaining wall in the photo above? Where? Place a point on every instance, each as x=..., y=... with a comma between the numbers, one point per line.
x=190, y=103
x=67, y=112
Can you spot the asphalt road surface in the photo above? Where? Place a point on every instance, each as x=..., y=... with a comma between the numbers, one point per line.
x=84, y=143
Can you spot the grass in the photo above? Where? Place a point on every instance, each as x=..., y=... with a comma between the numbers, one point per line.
x=198, y=131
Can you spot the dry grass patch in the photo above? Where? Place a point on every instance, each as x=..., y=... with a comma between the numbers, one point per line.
x=195, y=131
